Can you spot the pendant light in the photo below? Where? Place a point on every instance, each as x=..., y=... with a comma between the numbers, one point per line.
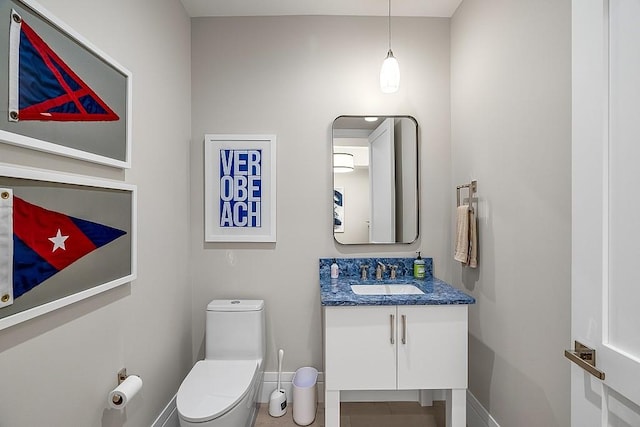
x=390, y=71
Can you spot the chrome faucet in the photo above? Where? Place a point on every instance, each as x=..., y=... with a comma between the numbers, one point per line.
x=380, y=270
x=392, y=274
x=363, y=271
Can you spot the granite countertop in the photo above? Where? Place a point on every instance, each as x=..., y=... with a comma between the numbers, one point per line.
x=337, y=292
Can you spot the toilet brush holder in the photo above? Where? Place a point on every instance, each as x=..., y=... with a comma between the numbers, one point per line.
x=278, y=403
x=278, y=398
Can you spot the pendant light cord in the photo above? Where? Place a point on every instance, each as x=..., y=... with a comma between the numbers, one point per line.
x=389, y=24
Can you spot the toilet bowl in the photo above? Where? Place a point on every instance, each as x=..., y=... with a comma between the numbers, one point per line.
x=222, y=390
x=218, y=393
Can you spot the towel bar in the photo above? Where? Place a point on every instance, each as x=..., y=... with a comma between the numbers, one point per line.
x=472, y=187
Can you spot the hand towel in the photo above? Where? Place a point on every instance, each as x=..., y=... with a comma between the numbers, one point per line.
x=462, y=234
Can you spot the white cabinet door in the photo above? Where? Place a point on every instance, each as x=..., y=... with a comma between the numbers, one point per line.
x=432, y=347
x=360, y=349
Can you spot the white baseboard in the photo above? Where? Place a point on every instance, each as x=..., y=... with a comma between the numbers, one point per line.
x=477, y=415
x=169, y=416
x=270, y=383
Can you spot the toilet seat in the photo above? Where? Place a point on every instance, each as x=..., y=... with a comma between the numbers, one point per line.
x=213, y=387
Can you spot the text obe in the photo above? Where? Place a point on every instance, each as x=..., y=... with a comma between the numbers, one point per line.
x=240, y=188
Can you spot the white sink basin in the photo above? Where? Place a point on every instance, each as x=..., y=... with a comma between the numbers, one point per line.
x=386, y=289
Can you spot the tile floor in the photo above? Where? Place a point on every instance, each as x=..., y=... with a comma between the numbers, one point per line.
x=366, y=414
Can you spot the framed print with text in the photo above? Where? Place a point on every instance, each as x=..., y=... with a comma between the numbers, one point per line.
x=240, y=188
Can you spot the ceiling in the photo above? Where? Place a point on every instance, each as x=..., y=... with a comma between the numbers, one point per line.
x=436, y=8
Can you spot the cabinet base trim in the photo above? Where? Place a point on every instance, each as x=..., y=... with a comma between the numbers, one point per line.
x=387, y=395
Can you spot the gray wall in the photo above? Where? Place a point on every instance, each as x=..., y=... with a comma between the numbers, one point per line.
x=292, y=76
x=511, y=130
x=57, y=369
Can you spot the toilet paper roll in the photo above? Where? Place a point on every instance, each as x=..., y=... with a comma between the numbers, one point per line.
x=121, y=395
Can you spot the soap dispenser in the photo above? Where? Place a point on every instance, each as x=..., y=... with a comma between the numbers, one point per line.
x=335, y=271
x=418, y=267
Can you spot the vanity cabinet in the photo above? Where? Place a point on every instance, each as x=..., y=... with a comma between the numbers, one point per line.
x=408, y=347
x=396, y=347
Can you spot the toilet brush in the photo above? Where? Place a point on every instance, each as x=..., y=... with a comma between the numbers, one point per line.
x=278, y=399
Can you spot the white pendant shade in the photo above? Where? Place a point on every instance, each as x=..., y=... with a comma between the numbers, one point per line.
x=390, y=74
x=343, y=162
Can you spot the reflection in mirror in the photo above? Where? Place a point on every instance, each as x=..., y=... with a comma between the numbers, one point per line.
x=375, y=179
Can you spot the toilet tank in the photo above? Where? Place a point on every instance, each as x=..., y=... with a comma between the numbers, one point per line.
x=235, y=329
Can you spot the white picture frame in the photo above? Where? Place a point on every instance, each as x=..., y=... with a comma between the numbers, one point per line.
x=240, y=188
x=107, y=202
x=106, y=142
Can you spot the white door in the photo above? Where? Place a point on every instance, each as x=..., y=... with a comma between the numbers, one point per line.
x=382, y=179
x=606, y=210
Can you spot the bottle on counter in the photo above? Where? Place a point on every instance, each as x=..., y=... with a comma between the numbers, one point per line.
x=335, y=271
x=418, y=267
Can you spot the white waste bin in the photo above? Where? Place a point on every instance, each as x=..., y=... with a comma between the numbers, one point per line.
x=305, y=398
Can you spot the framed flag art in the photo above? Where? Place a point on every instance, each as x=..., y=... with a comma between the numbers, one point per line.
x=61, y=94
x=63, y=238
x=240, y=188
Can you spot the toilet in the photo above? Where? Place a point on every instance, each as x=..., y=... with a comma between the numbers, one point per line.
x=222, y=390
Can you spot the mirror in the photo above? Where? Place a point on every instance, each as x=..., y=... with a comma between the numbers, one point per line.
x=375, y=179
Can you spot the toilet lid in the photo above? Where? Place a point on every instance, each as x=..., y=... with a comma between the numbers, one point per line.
x=213, y=387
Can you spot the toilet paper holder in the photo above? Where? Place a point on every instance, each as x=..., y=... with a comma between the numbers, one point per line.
x=121, y=377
